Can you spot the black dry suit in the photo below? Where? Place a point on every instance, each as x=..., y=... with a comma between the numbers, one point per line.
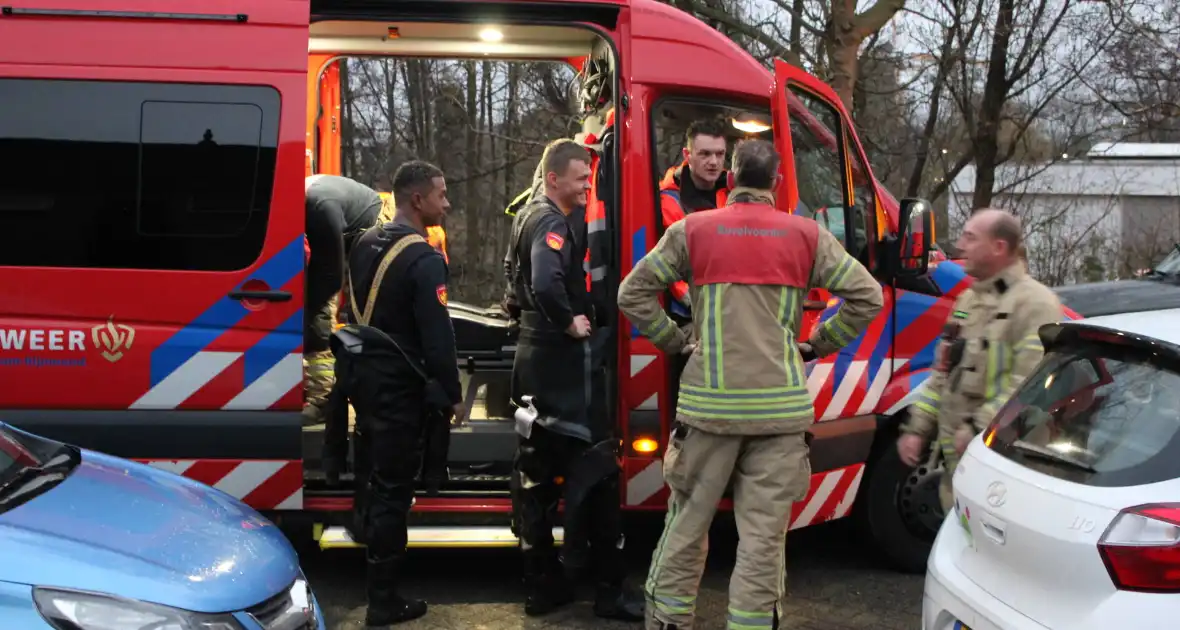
x=566, y=446
x=399, y=370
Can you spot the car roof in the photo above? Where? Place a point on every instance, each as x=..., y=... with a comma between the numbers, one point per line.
x=1163, y=324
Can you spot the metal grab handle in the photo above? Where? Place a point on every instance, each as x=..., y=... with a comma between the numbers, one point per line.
x=268, y=296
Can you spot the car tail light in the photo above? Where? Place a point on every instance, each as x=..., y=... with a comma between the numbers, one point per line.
x=1141, y=548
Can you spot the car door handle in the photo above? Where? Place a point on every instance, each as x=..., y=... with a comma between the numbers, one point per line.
x=995, y=531
x=266, y=296
x=814, y=305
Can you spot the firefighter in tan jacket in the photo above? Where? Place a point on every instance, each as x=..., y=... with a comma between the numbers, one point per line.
x=988, y=346
x=743, y=407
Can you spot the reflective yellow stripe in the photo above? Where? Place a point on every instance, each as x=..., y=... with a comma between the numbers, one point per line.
x=926, y=407
x=659, y=331
x=710, y=344
x=928, y=401
x=663, y=272
x=673, y=604
x=785, y=403
x=840, y=273
x=787, y=308
x=749, y=620
x=995, y=353
x=655, y=572
x=717, y=337
x=837, y=331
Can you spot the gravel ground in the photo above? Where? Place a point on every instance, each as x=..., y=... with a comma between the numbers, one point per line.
x=834, y=585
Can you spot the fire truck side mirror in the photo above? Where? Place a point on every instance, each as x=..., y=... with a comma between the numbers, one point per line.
x=917, y=237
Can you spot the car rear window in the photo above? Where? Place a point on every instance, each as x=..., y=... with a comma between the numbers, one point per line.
x=1097, y=414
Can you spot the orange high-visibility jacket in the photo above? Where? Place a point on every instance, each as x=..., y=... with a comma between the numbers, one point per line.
x=672, y=211
x=595, y=207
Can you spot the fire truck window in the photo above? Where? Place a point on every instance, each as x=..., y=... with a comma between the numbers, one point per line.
x=671, y=120
x=864, y=207
x=135, y=175
x=819, y=167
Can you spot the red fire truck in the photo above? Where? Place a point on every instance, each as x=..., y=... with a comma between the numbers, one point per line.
x=154, y=296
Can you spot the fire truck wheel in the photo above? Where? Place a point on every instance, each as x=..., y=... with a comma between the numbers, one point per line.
x=898, y=508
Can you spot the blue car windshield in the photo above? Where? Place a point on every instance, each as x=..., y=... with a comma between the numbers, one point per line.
x=14, y=454
x=31, y=465
x=7, y=458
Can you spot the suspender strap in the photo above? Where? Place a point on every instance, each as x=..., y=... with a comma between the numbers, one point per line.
x=390, y=256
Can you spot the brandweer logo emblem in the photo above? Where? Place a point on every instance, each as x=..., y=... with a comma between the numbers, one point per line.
x=112, y=339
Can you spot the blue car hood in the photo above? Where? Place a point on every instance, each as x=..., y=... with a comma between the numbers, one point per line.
x=127, y=529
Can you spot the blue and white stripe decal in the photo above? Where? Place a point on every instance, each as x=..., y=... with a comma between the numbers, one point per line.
x=271, y=349
x=181, y=366
x=223, y=315
x=638, y=251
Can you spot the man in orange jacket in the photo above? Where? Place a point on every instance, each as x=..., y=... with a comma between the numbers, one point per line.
x=700, y=182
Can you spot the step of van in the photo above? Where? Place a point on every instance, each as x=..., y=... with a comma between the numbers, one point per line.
x=458, y=485
x=432, y=537
x=483, y=447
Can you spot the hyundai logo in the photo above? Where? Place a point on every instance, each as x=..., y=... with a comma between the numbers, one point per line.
x=997, y=494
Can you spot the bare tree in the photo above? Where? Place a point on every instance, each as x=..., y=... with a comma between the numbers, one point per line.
x=833, y=28
x=1085, y=220
x=1141, y=83
x=483, y=122
x=1001, y=87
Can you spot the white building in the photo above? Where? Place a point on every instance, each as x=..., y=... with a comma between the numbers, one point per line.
x=1101, y=216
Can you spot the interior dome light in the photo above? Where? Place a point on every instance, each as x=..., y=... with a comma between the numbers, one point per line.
x=491, y=34
x=750, y=123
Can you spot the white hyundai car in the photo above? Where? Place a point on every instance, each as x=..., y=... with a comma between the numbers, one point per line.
x=1067, y=508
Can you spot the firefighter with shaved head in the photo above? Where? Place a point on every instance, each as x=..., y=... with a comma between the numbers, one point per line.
x=989, y=345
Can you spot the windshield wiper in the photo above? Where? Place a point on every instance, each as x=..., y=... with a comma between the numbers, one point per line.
x=27, y=473
x=1168, y=267
x=1043, y=453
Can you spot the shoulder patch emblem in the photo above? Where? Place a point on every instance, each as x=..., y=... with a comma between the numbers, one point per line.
x=554, y=240
x=441, y=292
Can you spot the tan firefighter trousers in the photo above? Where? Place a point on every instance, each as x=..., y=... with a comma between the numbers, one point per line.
x=769, y=473
x=319, y=368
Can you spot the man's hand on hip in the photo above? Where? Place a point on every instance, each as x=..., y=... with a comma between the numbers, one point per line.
x=458, y=415
x=579, y=328
x=963, y=437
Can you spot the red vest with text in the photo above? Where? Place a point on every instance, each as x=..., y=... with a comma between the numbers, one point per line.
x=750, y=243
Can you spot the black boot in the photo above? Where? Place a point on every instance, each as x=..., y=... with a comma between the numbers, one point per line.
x=333, y=467
x=545, y=583
x=386, y=607
x=614, y=598
x=618, y=601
